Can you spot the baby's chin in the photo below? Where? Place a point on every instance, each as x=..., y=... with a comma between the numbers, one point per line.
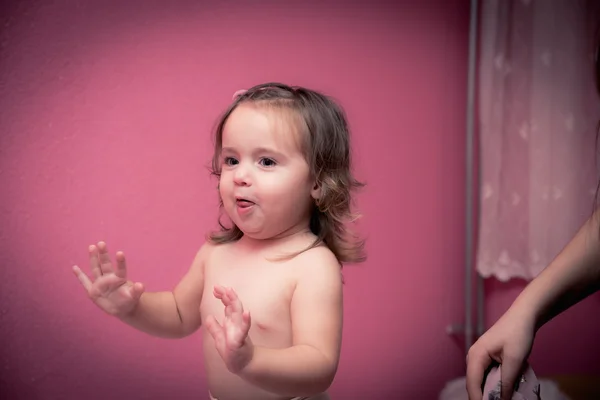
x=254, y=233
x=262, y=234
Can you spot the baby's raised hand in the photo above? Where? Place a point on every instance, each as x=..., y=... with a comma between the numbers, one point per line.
x=110, y=290
x=231, y=337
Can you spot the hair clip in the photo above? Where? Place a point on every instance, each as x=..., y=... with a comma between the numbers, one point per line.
x=239, y=93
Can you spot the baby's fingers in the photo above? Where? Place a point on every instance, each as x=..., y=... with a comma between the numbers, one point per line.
x=136, y=291
x=238, y=331
x=215, y=329
x=246, y=321
x=219, y=292
x=235, y=301
x=121, y=271
x=105, y=264
x=95, y=262
x=83, y=278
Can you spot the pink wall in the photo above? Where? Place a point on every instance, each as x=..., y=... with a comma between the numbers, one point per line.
x=105, y=116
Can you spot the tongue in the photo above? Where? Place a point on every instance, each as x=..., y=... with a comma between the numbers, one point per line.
x=245, y=203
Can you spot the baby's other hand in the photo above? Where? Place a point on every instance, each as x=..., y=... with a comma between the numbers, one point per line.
x=110, y=290
x=231, y=337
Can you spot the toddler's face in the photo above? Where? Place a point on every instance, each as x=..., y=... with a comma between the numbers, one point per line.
x=265, y=181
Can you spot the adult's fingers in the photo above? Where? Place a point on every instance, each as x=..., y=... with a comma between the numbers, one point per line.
x=477, y=362
x=510, y=369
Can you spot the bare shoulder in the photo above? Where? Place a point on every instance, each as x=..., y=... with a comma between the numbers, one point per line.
x=204, y=253
x=318, y=264
x=207, y=247
x=209, y=252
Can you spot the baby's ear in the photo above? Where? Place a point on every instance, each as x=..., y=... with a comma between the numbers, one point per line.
x=316, y=191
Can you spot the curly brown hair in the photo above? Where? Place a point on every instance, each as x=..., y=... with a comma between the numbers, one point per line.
x=326, y=148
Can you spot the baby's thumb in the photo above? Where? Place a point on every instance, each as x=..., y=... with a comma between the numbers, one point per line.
x=136, y=291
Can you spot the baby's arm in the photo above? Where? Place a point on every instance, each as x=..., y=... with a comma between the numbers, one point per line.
x=165, y=314
x=172, y=314
x=309, y=366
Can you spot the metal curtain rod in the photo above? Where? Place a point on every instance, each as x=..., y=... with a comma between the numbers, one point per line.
x=467, y=328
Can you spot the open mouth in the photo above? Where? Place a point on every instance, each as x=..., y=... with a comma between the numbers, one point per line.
x=243, y=203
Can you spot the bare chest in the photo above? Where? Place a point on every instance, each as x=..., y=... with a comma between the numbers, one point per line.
x=265, y=289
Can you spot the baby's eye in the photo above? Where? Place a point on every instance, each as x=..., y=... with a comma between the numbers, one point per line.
x=267, y=162
x=230, y=161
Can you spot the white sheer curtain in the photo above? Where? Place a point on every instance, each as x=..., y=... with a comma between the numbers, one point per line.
x=538, y=112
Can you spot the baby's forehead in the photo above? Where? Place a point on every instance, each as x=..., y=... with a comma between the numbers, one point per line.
x=273, y=123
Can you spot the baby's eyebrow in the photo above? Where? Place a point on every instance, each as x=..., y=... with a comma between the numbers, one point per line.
x=258, y=150
x=228, y=150
x=267, y=150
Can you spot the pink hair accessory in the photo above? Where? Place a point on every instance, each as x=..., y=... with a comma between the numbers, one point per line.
x=239, y=93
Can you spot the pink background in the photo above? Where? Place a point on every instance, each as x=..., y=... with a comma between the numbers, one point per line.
x=105, y=118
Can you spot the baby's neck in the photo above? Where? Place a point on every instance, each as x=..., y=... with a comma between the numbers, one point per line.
x=291, y=238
